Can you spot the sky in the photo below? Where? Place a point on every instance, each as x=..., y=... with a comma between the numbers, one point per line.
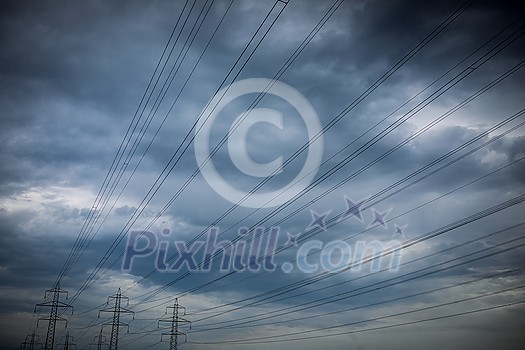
x=395, y=130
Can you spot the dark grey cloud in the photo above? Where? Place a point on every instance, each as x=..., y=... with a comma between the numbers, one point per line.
x=72, y=76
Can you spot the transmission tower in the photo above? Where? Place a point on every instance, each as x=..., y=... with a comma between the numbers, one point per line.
x=67, y=342
x=175, y=320
x=117, y=310
x=55, y=304
x=100, y=340
x=31, y=342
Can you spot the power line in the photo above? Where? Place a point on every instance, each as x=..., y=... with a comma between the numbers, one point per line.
x=154, y=189
x=396, y=217
x=165, y=90
x=432, y=233
x=331, y=189
x=385, y=76
x=121, y=150
x=369, y=259
x=381, y=284
x=372, y=274
x=290, y=60
x=268, y=339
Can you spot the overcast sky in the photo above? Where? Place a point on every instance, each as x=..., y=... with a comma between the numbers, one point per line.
x=420, y=106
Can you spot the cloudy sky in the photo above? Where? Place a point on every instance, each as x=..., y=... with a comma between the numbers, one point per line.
x=420, y=109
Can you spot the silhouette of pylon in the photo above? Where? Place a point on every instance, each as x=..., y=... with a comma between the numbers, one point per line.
x=175, y=320
x=31, y=342
x=54, y=304
x=67, y=342
x=117, y=310
x=99, y=340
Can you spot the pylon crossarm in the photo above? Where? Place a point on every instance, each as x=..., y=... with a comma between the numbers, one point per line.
x=99, y=337
x=33, y=336
x=112, y=309
x=62, y=304
x=121, y=324
x=178, y=307
x=109, y=309
x=177, y=334
x=126, y=311
x=58, y=318
x=47, y=303
x=113, y=297
x=55, y=290
x=170, y=334
x=47, y=318
x=50, y=304
x=170, y=320
x=31, y=341
x=173, y=333
x=182, y=319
